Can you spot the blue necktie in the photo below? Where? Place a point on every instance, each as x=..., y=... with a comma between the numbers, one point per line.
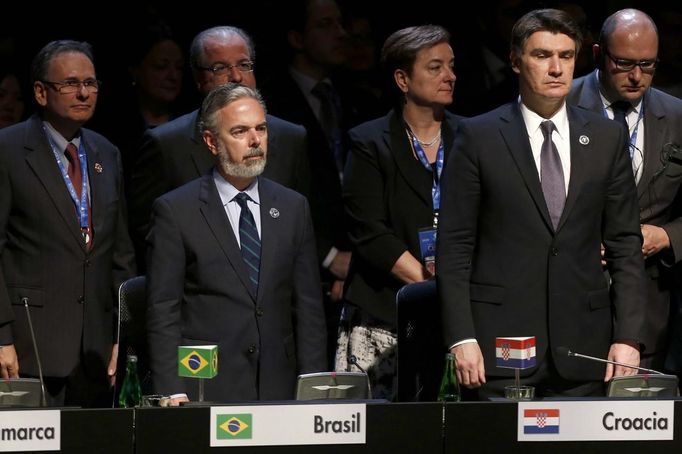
x=249, y=241
x=552, y=175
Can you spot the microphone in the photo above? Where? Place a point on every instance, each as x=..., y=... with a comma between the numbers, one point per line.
x=352, y=359
x=24, y=300
x=567, y=352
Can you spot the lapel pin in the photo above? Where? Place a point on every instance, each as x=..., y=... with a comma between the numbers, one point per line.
x=98, y=167
x=274, y=213
x=584, y=140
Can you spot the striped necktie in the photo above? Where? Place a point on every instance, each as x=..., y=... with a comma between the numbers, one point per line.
x=249, y=241
x=552, y=175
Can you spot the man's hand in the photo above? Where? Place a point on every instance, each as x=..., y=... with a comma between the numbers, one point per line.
x=626, y=352
x=9, y=364
x=470, y=368
x=603, y=262
x=336, y=292
x=655, y=240
x=111, y=370
x=340, y=264
x=174, y=402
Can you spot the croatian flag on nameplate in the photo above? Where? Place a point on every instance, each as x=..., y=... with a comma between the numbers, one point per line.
x=515, y=352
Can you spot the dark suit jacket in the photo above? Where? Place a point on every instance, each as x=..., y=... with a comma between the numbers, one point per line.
x=285, y=99
x=199, y=293
x=503, y=271
x=175, y=153
x=658, y=192
x=70, y=291
x=387, y=197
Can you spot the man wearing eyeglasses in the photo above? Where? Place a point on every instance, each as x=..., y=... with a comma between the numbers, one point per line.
x=64, y=244
x=620, y=88
x=174, y=153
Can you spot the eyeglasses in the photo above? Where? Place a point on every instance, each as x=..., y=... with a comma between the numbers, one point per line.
x=622, y=64
x=73, y=86
x=220, y=69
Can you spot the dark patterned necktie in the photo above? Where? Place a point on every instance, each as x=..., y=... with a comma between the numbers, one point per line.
x=330, y=120
x=620, y=109
x=76, y=178
x=249, y=241
x=552, y=175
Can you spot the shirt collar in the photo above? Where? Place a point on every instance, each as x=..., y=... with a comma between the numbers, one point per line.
x=533, y=120
x=227, y=191
x=59, y=141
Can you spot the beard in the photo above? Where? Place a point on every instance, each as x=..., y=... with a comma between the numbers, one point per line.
x=248, y=169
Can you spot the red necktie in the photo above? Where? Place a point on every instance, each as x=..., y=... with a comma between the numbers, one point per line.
x=76, y=178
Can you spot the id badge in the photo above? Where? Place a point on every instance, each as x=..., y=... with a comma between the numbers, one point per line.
x=427, y=245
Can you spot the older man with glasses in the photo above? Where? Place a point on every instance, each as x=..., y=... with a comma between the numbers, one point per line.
x=64, y=244
x=620, y=88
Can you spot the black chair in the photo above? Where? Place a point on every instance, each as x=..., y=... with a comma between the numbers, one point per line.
x=132, y=331
x=420, y=352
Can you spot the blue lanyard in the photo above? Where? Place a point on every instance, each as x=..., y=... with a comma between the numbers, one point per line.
x=82, y=204
x=435, y=188
x=633, y=135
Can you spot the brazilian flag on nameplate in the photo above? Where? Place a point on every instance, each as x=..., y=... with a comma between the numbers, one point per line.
x=198, y=361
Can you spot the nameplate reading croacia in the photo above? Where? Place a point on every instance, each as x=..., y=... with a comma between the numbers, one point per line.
x=596, y=420
x=305, y=424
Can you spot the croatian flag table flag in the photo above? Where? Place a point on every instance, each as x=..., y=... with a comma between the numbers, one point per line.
x=515, y=352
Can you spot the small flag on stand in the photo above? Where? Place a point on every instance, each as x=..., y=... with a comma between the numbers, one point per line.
x=515, y=352
x=198, y=361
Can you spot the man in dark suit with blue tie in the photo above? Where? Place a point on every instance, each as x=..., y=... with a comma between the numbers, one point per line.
x=232, y=262
x=627, y=56
x=64, y=244
x=530, y=192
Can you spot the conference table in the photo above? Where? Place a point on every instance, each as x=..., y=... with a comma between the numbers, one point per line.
x=646, y=425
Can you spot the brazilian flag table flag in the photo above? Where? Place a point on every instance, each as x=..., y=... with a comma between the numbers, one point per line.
x=198, y=361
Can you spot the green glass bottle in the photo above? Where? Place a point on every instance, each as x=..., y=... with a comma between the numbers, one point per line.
x=131, y=391
x=449, y=386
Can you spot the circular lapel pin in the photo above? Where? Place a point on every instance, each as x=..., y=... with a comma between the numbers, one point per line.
x=584, y=140
x=274, y=213
x=98, y=167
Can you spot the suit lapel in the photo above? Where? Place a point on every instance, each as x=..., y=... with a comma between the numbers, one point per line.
x=214, y=212
x=40, y=158
x=654, y=134
x=513, y=130
x=580, y=152
x=96, y=187
x=269, y=226
x=411, y=169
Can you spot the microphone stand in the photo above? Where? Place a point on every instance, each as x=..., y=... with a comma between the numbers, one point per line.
x=35, y=351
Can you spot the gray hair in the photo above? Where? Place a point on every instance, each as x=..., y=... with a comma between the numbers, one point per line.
x=220, y=97
x=196, y=50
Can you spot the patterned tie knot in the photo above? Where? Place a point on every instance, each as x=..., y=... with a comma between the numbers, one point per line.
x=547, y=129
x=242, y=198
x=323, y=90
x=621, y=107
x=71, y=153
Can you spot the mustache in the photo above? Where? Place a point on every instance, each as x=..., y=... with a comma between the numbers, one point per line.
x=254, y=152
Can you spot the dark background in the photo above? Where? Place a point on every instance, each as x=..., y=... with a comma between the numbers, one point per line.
x=111, y=29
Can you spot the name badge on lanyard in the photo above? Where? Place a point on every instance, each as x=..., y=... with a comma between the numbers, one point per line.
x=427, y=235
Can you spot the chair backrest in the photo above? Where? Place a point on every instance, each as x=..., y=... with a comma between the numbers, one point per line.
x=333, y=385
x=420, y=352
x=20, y=392
x=132, y=337
x=643, y=385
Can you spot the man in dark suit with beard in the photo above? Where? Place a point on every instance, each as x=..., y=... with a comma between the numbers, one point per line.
x=174, y=153
x=232, y=262
x=530, y=192
x=627, y=57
